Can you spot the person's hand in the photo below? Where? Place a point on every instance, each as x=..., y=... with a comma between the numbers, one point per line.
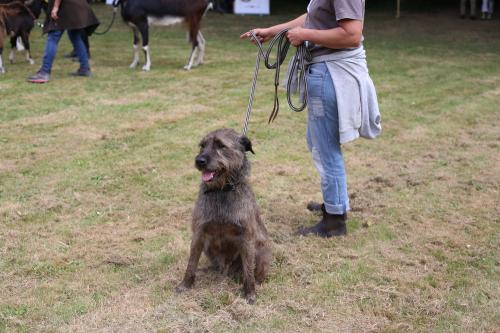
x=263, y=34
x=53, y=13
x=296, y=36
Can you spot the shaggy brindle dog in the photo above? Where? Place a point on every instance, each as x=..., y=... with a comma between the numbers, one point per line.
x=226, y=223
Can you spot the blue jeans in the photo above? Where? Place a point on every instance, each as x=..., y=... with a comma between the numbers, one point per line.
x=323, y=138
x=53, y=39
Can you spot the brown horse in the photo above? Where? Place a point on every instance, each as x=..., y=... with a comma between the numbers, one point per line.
x=140, y=14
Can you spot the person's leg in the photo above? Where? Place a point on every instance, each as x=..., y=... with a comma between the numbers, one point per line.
x=49, y=55
x=472, y=9
x=323, y=127
x=85, y=38
x=323, y=141
x=462, y=8
x=484, y=6
x=79, y=46
x=43, y=74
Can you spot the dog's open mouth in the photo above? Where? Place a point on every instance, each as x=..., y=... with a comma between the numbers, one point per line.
x=207, y=175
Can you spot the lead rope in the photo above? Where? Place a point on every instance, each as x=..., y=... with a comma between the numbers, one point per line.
x=115, y=10
x=298, y=63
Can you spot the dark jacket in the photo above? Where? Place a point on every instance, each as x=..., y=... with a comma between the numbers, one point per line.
x=73, y=14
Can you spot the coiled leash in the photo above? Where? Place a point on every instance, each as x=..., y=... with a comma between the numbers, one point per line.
x=298, y=64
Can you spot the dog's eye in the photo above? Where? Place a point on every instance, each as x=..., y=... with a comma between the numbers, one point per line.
x=219, y=144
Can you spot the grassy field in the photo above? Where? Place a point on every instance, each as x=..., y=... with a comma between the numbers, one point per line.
x=97, y=186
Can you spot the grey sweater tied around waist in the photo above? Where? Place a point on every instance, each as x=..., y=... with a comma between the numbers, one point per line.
x=357, y=103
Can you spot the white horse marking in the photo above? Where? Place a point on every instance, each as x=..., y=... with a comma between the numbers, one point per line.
x=165, y=20
x=135, y=61
x=147, y=65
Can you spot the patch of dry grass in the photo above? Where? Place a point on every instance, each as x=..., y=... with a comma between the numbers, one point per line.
x=97, y=186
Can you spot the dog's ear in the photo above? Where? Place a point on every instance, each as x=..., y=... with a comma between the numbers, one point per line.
x=247, y=144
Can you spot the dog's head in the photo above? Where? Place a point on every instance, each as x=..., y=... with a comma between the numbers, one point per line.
x=222, y=158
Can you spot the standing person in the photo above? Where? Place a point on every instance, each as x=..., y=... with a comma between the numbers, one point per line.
x=342, y=102
x=463, y=10
x=77, y=17
x=487, y=9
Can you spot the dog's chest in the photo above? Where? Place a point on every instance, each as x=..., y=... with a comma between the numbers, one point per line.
x=219, y=230
x=222, y=208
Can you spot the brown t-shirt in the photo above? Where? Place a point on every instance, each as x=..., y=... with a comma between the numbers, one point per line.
x=325, y=14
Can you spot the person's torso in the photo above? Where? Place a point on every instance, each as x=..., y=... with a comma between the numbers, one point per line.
x=73, y=14
x=325, y=14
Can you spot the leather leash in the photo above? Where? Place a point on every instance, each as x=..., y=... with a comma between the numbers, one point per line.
x=115, y=10
x=298, y=63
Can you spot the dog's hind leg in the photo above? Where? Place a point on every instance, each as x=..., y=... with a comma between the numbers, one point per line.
x=263, y=258
x=135, y=60
x=248, y=266
x=194, y=258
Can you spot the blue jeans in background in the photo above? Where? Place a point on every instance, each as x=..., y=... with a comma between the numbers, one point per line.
x=53, y=39
x=323, y=138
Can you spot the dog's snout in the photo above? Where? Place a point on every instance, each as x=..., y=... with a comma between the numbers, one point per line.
x=201, y=161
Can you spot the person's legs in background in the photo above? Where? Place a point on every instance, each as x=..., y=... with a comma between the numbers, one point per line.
x=490, y=9
x=472, y=9
x=463, y=9
x=85, y=38
x=76, y=37
x=43, y=75
x=72, y=54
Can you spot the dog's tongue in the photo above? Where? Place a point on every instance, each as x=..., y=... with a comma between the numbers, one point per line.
x=207, y=175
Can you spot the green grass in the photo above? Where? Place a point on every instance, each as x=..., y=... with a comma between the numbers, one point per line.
x=97, y=185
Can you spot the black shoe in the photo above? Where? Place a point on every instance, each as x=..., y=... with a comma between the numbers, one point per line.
x=82, y=72
x=330, y=225
x=462, y=17
x=473, y=18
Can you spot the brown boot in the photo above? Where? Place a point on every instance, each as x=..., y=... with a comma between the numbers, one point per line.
x=329, y=226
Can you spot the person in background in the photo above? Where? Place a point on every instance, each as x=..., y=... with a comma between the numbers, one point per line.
x=78, y=19
x=487, y=9
x=463, y=9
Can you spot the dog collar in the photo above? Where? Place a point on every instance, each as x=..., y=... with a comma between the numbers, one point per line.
x=226, y=188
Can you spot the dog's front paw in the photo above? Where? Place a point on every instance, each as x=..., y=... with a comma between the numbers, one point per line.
x=182, y=287
x=251, y=298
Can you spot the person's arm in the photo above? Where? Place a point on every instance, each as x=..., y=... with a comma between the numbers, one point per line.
x=347, y=35
x=265, y=34
x=55, y=9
